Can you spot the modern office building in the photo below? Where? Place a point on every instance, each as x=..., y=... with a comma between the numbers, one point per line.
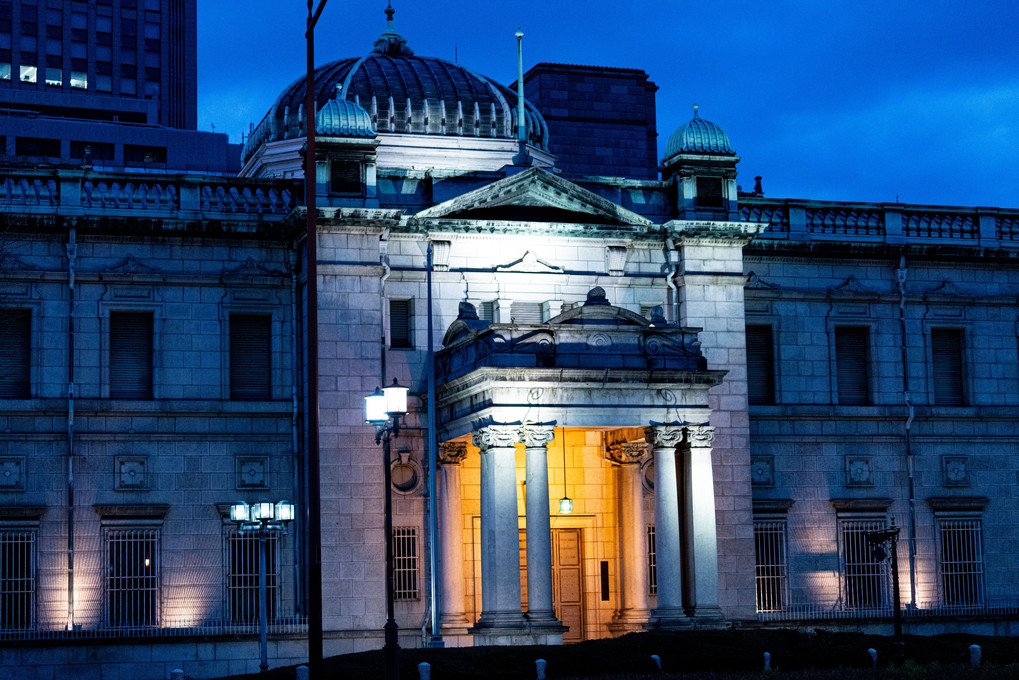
x=107, y=82
x=658, y=403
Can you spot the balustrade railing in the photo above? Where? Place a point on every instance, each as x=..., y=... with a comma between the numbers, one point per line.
x=169, y=196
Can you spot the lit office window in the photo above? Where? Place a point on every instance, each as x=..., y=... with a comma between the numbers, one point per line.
x=79, y=79
x=28, y=73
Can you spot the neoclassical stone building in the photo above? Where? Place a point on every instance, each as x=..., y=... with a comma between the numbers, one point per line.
x=657, y=402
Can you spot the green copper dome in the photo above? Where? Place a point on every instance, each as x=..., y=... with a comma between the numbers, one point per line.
x=698, y=136
x=341, y=118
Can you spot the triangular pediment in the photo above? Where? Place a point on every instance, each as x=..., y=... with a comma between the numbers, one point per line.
x=534, y=195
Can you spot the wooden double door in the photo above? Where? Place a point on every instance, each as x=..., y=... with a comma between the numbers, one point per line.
x=567, y=580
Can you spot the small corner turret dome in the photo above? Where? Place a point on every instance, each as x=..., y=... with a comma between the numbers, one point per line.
x=698, y=136
x=341, y=118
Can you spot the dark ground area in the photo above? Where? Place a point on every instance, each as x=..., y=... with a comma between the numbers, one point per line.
x=717, y=655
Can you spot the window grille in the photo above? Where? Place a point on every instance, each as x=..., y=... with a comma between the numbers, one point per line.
x=399, y=324
x=15, y=359
x=760, y=365
x=250, y=357
x=17, y=580
x=946, y=355
x=405, y=563
x=242, y=577
x=526, y=312
x=851, y=369
x=771, y=569
x=962, y=562
x=130, y=355
x=132, y=577
x=864, y=580
x=652, y=572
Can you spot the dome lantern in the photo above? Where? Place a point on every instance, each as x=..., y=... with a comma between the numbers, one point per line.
x=701, y=163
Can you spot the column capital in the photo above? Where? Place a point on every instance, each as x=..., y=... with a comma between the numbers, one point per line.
x=496, y=436
x=452, y=453
x=700, y=435
x=663, y=436
x=536, y=434
x=627, y=452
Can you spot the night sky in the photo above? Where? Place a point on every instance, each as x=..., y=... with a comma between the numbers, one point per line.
x=852, y=100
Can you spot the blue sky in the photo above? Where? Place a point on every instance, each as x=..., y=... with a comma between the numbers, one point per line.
x=827, y=99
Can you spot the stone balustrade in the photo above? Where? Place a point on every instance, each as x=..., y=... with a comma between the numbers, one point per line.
x=797, y=220
x=72, y=191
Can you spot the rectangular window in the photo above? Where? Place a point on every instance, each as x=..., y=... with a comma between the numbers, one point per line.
x=760, y=365
x=962, y=562
x=652, y=571
x=132, y=577
x=864, y=579
x=37, y=147
x=144, y=154
x=16, y=357
x=130, y=355
x=250, y=357
x=946, y=356
x=771, y=570
x=709, y=192
x=345, y=177
x=486, y=311
x=405, y=563
x=400, y=332
x=851, y=365
x=242, y=579
x=17, y=579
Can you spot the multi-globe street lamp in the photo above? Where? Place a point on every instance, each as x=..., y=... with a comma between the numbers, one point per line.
x=261, y=517
x=383, y=410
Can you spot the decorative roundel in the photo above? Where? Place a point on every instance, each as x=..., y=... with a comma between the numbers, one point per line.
x=647, y=474
x=599, y=342
x=406, y=474
x=535, y=394
x=653, y=346
x=544, y=344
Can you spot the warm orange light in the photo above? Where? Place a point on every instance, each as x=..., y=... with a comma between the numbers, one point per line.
x=147, y=561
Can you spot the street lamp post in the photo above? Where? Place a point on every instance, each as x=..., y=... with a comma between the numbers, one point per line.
x=260, y=517
x=878, y=539
x=383, y=410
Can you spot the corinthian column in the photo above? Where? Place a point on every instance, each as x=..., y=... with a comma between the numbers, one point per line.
x=539, y=529
x=500, y=537
x=699, y=517
x=669, y=612
x=453, y=610
x=633, y=607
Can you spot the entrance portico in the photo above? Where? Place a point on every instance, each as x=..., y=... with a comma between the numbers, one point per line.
x=512, y=389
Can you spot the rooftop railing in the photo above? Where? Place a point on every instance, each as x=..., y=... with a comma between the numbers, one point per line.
x=798, y=220
x=75, y=191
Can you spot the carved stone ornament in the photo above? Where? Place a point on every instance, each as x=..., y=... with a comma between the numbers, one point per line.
x=762, y=470
x=663, y=436
x=627, y=452
x=700, y=435
x=496, y=436
x=536, y=436
x=452, y=453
